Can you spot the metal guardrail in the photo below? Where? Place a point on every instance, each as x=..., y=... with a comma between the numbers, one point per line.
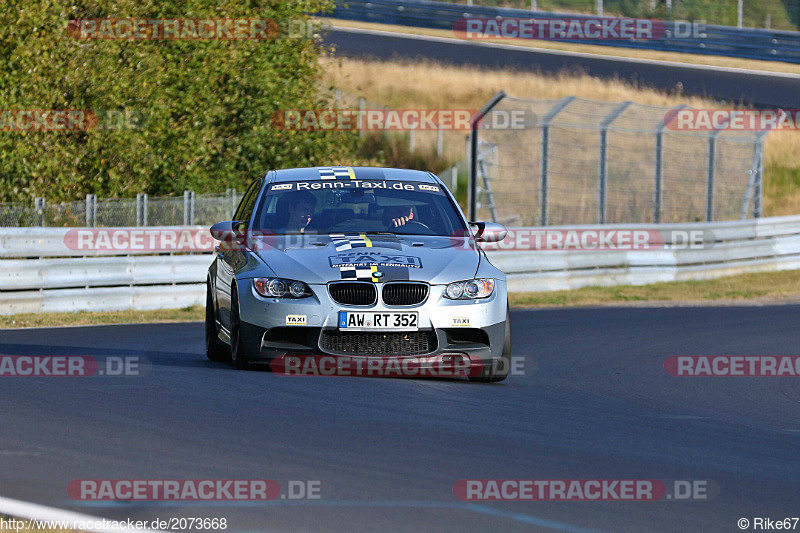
x=41, y=272
x=738, y=247
x=37, y=275
x=750, y=43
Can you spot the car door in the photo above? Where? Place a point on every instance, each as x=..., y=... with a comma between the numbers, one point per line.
x=230, y=260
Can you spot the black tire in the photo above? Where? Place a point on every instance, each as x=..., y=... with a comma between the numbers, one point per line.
x=238, y=350
x=216, y=350
x=491, y=374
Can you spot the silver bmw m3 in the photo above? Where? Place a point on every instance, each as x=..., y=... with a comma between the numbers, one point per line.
x=356, y=262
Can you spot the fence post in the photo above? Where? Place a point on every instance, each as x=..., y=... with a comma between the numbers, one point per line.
x=758, y=195
x=711, y=166
x=411, y=144
x=38, y=205
x=602, y=177
x=188, y=208
x=739, y=13
x=91, y=210
x=658, y=187
x=362, y=106
x=475, y=122
x=439, y=141
x=141, y=209
x=544, y=162
x=454, y=179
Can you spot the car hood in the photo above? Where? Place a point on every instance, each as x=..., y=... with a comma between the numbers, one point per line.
x=321, y=258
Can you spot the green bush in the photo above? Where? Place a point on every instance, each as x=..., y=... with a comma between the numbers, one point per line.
x=203, y=106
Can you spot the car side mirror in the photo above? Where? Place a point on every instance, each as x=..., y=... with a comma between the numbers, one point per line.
x=489, y=231
x=228, y=230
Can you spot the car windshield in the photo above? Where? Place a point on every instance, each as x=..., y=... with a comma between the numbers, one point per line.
x=341, y=206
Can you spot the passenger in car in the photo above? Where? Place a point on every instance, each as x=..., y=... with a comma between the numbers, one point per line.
x=299, y=207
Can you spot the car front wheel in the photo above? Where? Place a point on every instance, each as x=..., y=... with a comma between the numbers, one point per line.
x=238, y=348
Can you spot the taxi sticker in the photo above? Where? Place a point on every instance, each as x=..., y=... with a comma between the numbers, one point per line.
x=460, y=322
x=295, y=320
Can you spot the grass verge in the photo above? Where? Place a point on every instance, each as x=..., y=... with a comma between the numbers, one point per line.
x=83, y=318
x=761, y=287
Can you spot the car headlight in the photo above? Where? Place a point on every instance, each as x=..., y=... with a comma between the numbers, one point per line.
x=471, y=289
x=281, y=288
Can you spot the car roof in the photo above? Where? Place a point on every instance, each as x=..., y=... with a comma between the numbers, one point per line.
x=359, y=173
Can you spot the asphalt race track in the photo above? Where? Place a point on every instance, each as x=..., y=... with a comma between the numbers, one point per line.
x=388, y=451
x=750, y=87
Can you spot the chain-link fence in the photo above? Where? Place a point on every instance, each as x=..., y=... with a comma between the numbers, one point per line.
x=190, y=209
x=576, y=161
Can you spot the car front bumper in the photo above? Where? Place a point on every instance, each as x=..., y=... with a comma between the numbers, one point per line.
x=277, y=327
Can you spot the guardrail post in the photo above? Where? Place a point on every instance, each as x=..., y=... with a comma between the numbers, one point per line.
x=91, y=210
x=188, y=208
x=39, y=204
x=439, y=141
x=602, y=177
x=411, y=144
x=475, y=122
x=544, y=162
x=659, y=168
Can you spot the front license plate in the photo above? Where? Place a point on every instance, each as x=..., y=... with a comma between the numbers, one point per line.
x=378, y=321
